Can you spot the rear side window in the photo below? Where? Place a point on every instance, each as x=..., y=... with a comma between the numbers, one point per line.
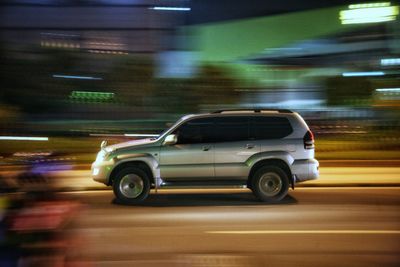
x=231, y=129
x=262, y=128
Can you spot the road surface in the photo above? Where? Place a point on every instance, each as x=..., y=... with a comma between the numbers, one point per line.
x=329, y=176
x=366, y=175
x=350, y=226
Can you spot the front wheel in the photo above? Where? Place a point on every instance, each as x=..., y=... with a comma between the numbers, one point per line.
x=270, y=184
x=131, y=185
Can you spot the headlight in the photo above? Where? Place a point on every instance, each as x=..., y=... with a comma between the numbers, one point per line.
x=101, y=156
x=96, y=171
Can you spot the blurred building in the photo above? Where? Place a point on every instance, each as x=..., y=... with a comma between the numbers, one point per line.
x=293, y=59
x=101, y=59
x=93, y=26
x=74, y=54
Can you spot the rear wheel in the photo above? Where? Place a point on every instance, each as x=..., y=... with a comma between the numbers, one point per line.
x=131, y=185
x=270, y=184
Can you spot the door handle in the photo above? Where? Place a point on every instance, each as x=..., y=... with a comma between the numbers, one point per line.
x=250, y=146
x=206, y=148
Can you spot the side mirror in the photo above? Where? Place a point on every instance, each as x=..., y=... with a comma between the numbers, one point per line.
x=171, y=139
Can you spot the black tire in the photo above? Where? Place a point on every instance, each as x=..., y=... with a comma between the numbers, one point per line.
x=270, y=184
x=131, y=185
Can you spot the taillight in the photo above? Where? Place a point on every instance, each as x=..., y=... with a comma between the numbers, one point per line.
x=308, y=140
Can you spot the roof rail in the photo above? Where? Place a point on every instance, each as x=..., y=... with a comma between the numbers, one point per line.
x=256, y=110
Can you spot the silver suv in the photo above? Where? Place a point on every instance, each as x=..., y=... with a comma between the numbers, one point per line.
x=265, y=150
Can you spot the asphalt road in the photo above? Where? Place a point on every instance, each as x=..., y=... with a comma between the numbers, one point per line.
x=351, y=226
x=366, y=175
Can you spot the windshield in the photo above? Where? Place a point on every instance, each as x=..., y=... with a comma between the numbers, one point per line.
x=173, y=126
x=167, y=129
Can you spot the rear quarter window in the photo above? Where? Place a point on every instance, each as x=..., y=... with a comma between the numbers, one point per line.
x=264, y=127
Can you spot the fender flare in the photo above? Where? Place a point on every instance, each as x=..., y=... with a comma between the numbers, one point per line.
x=145, y=158
x=280, y=155
x=283, y=156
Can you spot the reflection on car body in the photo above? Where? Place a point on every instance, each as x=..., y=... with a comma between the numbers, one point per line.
x=266, y=150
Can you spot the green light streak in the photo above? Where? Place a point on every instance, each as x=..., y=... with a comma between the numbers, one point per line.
x=92, y=96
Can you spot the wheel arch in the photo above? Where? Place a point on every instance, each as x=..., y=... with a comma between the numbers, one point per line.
x=278, y=162
x=131, y=163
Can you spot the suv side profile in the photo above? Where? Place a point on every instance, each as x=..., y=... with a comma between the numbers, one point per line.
x=267, y=151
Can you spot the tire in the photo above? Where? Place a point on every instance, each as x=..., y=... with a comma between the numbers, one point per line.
x=131, y=185
x=270, y=184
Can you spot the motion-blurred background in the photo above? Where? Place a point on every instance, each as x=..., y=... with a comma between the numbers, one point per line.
x=75, y=72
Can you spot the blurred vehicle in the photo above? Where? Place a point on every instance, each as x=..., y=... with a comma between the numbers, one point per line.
x=34, y=220
x=265, y=150
x=30, y=171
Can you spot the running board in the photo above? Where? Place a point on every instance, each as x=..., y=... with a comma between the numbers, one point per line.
x=204, y=184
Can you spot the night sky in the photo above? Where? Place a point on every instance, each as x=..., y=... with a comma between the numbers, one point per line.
x=204, y=11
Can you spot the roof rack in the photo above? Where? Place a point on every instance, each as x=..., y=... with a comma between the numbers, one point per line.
x=256, y=110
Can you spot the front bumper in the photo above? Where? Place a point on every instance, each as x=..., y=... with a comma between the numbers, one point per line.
x=101, y=171
x=305, y=170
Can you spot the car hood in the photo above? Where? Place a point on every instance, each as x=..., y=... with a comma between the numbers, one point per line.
x=132, y=143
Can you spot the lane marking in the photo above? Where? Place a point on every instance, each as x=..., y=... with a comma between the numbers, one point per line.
x=250, y=232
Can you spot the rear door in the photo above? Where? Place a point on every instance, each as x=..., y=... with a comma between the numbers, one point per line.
x=270, y=133
x=233, y=147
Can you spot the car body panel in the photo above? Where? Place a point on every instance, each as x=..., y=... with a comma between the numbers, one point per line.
x=231, y=157
x=220, y=161
x=187, y=161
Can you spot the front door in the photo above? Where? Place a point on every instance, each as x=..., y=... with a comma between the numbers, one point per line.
x=192, y=157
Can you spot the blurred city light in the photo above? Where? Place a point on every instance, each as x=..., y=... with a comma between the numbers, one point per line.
x=91, y=96
x=390, y=61
x=23, y=138
x=368, y=5
x=165, y=8
x=59, y=34
x=360, y=74
x=395, y=90
x=369, y=13
x=76, y=77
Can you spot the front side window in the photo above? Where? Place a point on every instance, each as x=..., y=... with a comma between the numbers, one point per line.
x=196, y=131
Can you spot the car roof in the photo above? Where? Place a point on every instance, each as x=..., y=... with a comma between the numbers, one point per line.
x=251, y=110
x=226, y=113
